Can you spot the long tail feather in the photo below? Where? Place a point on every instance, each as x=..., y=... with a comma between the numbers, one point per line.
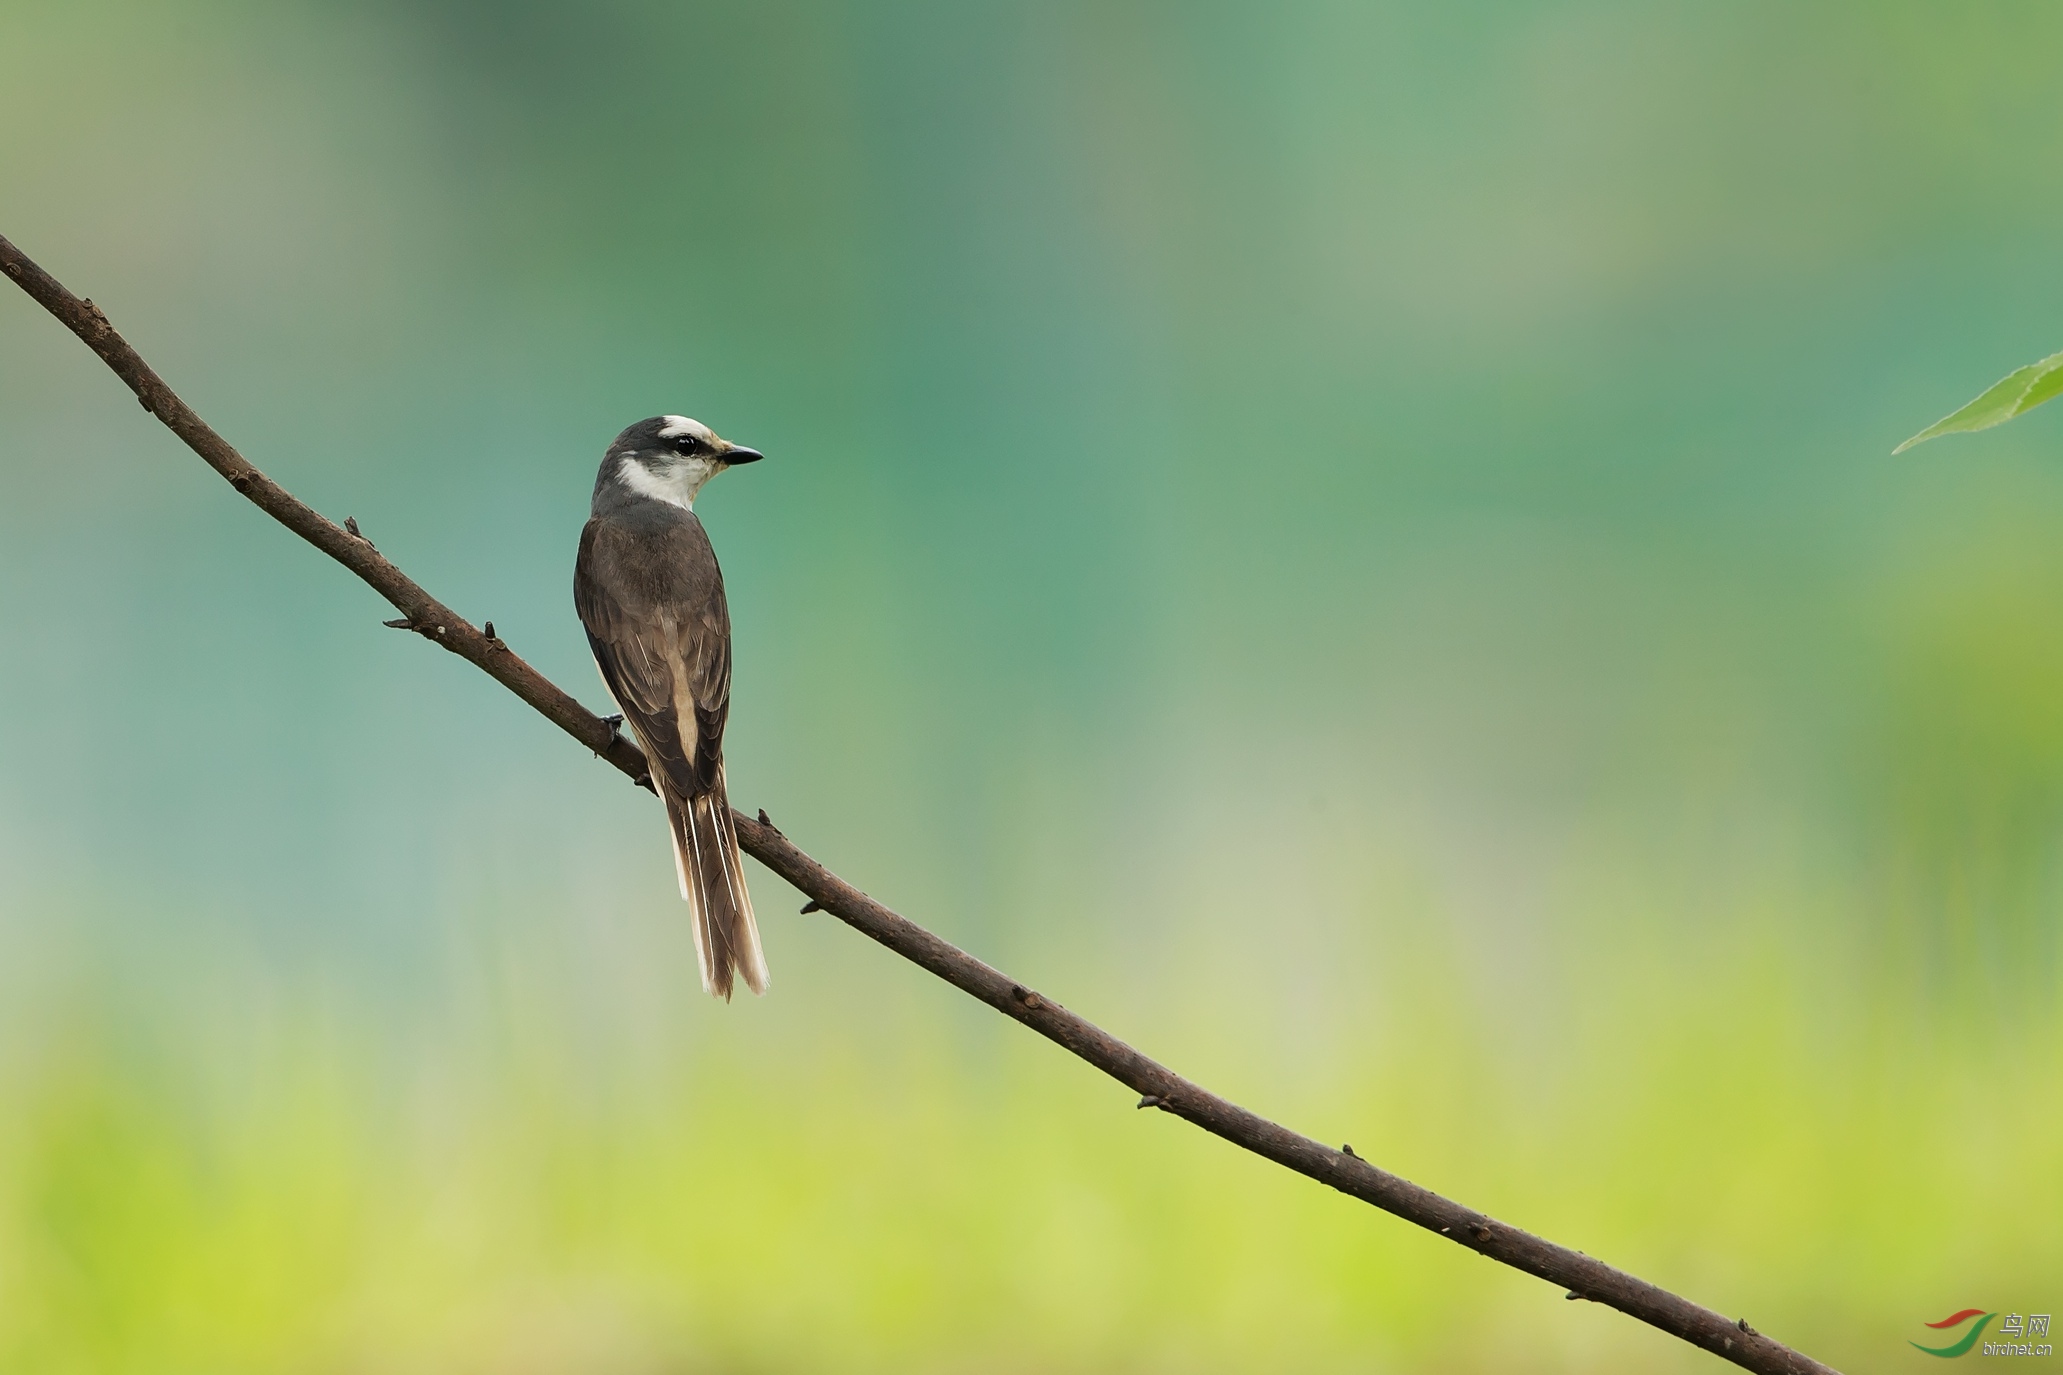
x=712, y=880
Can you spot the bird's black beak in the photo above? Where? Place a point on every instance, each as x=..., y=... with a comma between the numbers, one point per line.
x=738, y=453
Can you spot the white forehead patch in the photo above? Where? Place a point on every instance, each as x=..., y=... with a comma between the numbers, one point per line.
x=678, y=425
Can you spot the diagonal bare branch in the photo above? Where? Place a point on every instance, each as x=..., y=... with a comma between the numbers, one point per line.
x=1158, y=1086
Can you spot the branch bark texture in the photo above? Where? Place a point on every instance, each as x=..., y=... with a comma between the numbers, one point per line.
x=1158, y=1086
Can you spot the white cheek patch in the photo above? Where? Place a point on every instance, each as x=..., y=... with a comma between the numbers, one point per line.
x=676, y=485
x=678, y=425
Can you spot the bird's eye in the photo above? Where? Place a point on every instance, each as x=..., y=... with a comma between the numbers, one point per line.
x=686, y=443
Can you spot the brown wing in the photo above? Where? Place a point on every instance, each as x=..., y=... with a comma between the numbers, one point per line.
x=651, y=597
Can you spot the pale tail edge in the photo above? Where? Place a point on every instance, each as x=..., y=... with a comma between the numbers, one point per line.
x=703, y=840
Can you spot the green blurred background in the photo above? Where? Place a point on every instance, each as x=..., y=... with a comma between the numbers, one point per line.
x=1354, y=544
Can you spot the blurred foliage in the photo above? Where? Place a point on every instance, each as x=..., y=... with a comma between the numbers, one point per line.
x=2017, y=393
x=1349, y=542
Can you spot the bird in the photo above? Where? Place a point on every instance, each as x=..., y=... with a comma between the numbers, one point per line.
x=649, y=592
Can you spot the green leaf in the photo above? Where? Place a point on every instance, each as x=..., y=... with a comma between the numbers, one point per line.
x=2018, y=392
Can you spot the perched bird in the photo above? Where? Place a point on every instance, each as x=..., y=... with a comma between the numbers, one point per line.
x=648, y=590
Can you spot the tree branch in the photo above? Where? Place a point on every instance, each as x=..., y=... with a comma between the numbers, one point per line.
x=1158, y=1086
